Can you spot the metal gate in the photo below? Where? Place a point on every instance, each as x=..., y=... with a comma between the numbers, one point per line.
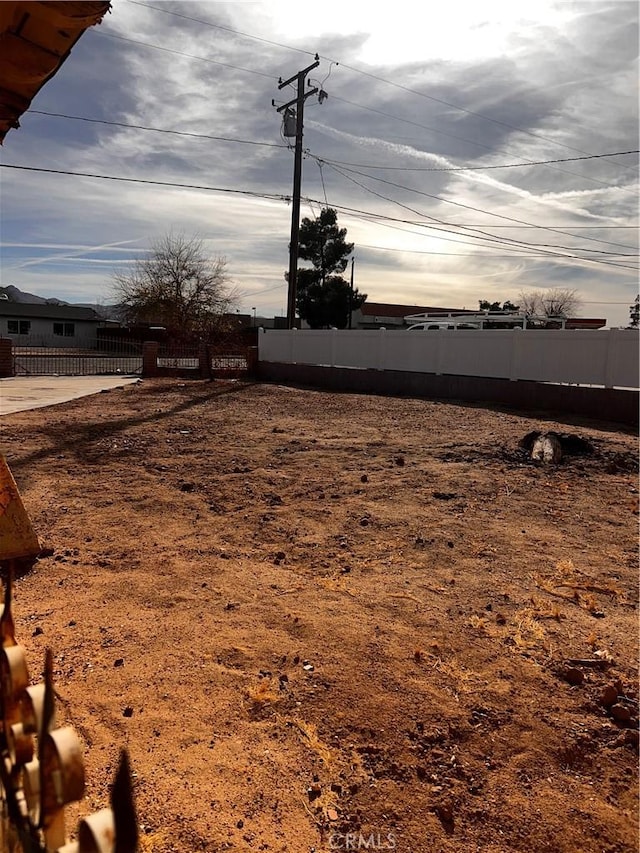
x=101, y=357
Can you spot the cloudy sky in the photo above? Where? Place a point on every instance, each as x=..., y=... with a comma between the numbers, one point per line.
x=423, y=104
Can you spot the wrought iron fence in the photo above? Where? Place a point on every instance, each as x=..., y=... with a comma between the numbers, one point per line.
x=100, y=356
x=182, y=357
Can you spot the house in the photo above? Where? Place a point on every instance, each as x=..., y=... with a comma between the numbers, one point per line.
x=375, y=315
x=49, y=325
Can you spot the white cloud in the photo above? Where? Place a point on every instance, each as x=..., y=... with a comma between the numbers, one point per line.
x=564, y=73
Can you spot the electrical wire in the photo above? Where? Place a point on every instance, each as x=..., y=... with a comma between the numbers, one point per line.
x=335, y=97
x=221, y=27
x=158, y=129
x=384, y=221
x=376, y=77
x=271, y=196
x=277, y=197
x=320, y=164
x=181, y=53
x=484, y=168
x=336, y=162
x=466, y=254
x=319, y=160
x=481, y=234
x=471, y=112
x=479, y=210
x=459, y=138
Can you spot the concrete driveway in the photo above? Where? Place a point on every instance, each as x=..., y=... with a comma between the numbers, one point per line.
x=19, y=393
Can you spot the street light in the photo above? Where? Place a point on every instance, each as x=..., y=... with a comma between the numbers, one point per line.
x=254, y=315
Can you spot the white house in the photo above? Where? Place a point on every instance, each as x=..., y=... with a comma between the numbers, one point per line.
x=51, y=325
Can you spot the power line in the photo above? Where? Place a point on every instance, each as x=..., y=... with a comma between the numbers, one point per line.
x=335, y=97
x=379, y=219
x=483, y=234
x=271, y=196
x=221, y=27
x=181, y=53
x=374, y=77
x=476, y=209
x=384, y=220
x=277, y=197
x=336, y=162
x=573, y=227
x=483, y=168
x=459, y=138
x=470, y=112
x=159, y=129
x=467, y=254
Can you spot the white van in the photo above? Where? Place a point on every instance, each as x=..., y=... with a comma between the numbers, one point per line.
x=482, y=320
x=431, y=326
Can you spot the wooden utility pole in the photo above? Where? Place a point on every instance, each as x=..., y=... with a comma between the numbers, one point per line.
x=299, y=100
x=353, y=259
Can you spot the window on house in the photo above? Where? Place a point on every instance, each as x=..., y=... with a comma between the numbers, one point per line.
x=66, y=330
x=18, y=327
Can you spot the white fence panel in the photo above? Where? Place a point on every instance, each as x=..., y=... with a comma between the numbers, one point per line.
x=313, y=346
x=469, y=352
x=416, y=351
x=580, y=356
x=359, y=348
x=623, y=365
x=275, y=346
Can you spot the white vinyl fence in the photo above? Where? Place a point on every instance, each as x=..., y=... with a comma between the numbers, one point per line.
x=606, y=358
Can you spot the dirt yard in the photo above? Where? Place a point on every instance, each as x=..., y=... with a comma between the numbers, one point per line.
x=337, y=622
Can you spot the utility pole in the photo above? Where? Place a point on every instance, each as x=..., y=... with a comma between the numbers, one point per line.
x=353, y=259
x=299, y=100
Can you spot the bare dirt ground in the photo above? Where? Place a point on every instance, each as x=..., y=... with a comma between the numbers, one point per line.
x=321, y=621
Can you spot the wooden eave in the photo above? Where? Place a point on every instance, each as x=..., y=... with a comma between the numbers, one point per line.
x=35, y=40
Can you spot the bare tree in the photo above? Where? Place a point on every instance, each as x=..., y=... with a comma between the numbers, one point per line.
x=530, y=302
x=561, y=302
x=177, y=286
x=555, y=302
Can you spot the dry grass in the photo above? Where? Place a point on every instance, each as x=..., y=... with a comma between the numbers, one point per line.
x=154, y=841
x=529, y=634
x=262, y=695
x=584, y=589
x=309, y=736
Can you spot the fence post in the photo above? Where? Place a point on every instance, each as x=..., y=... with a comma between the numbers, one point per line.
x=252, y=361
x=150, y=358
x=608, y=378
x=382, y=348
x=437, y=367
x=6, y=357
x=514, y=366
x=204, y=361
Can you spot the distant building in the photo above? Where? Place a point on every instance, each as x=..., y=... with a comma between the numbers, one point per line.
x=56, y=325
x=375, y=315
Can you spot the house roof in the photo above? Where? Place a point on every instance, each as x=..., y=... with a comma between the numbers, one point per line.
x=383, y=309
x=35, y=39
x=585, y=323
x=28, y=311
